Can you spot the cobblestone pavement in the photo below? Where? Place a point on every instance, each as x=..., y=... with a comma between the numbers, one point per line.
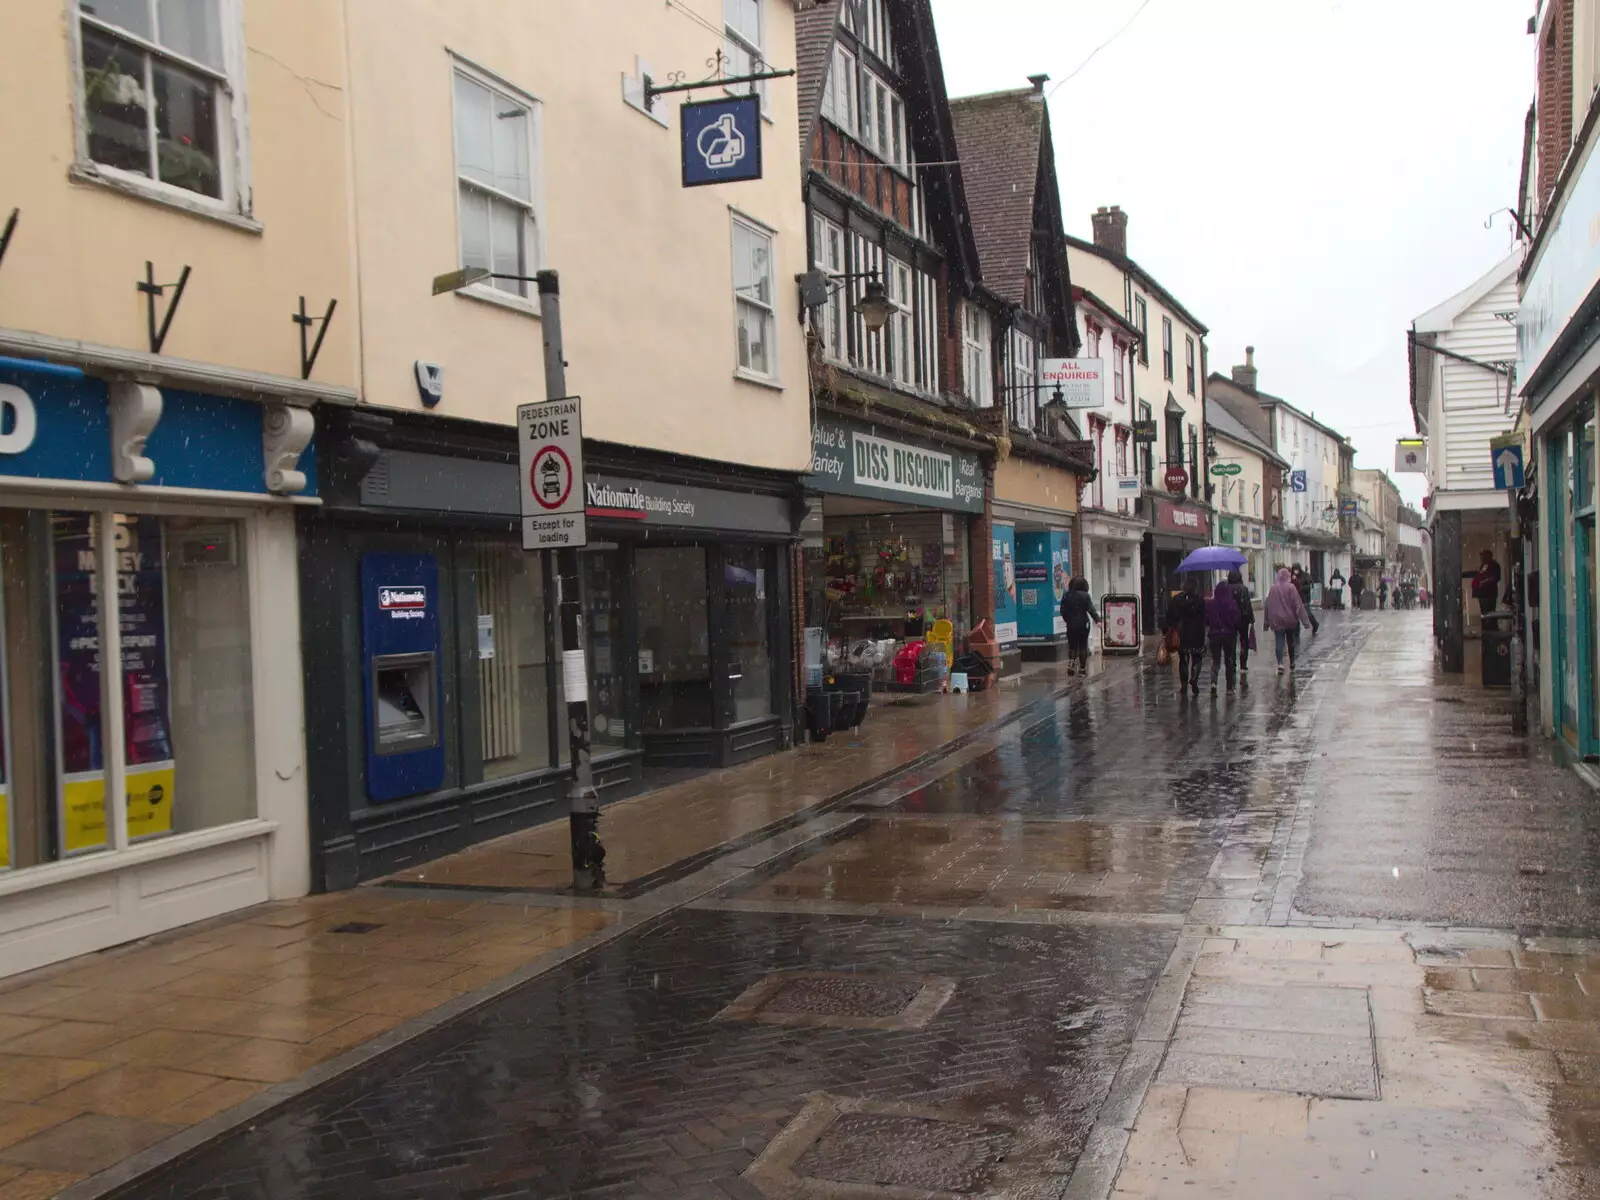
x=1135, y=944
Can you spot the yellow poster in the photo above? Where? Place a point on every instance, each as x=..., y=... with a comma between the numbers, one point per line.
x=149, y=807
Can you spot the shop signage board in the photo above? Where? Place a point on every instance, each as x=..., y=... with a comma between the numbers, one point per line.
x=147, y=720
x=1044, y=567
x=1079, y=382
x=1186, y=522
x=1119, y=627
x=59, y=427
x=1565, y=273
x=1505, y=454
x=550, y=459
x=1349, y=508
x=1176, y=479
x=1128, y=483
x=1225, y=531
x=1227, y=469
x=1145, y=432
x=1411, y=456
x=1005, y=585
x=858, y=460
x=1297, y=481
x=721, y=141
x=647, y=502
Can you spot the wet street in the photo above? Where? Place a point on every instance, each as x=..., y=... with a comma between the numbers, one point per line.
x=1323, y=938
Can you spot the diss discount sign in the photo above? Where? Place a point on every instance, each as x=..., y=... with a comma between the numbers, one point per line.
x=550, y=453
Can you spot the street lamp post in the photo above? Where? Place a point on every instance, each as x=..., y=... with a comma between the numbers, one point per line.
x=588, y=854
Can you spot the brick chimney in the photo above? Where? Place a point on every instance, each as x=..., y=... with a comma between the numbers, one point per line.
x=1245, y=375
x=1038, y=82
x=1111, y=230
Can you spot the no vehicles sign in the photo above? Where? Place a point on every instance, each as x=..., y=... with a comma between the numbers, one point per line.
x=550, y=451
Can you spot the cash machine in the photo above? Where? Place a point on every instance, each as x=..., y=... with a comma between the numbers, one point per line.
x=400, y=657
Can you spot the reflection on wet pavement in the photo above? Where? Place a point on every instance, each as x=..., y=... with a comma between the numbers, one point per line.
x=1086, y=865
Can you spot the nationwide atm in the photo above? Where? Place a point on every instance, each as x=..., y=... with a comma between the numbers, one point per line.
x=400, y=663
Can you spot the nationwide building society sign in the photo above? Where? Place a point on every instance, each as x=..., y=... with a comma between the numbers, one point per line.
x=856, y=460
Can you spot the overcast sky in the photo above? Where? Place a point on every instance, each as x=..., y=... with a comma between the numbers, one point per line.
x=1306, y=176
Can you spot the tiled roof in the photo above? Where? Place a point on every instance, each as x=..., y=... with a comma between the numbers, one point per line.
x=814, y=27
x=999, y=138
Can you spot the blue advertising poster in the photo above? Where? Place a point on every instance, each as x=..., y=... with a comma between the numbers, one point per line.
x=1044, y=567
x=147, y=726
x=1005, y=585
x=721, y=141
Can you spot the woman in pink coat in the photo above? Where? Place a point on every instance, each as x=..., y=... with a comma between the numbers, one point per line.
x=1285, y=613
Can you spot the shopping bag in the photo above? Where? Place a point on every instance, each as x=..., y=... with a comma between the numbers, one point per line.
x=1163, y=655
x=1252, y=639
x=1174, y=641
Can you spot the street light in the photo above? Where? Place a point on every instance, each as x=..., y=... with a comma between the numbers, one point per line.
x=874, y=306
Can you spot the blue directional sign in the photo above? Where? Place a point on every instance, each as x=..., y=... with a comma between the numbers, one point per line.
x=1297, y=481
x=1506, y=455
x=721, y=141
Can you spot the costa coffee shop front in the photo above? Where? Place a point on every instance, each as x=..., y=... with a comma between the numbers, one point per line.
x=892, y=532
x=1177, y=528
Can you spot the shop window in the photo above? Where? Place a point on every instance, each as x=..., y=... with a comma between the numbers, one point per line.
x=747, y=585
x=603, y=601
x=187, y=742
x=162, y=100
x=496, y=155
x=753, y=298
x=674, y=649
x=513, y=657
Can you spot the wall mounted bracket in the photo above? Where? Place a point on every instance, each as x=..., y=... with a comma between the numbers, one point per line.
x=285, y=433
x=308, y=359
x=135, y=410
x=151, y=290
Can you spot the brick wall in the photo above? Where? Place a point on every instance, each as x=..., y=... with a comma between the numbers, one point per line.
x=1555, y=97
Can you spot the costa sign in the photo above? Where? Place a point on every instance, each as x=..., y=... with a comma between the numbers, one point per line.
x=1176, y=479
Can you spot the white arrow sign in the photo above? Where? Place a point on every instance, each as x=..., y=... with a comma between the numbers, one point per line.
x=1508, y=461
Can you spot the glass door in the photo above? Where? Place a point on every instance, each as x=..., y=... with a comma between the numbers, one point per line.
x=1583, y=534
x=1563, y=593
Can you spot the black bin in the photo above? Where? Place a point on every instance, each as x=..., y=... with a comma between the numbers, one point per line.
x=1497, y=649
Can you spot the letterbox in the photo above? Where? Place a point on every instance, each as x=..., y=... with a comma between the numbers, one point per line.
x=402, y=688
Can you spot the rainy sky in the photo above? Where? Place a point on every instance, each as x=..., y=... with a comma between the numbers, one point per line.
x=1307, y=176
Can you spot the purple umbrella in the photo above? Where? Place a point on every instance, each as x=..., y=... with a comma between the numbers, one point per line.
x=1213, y=558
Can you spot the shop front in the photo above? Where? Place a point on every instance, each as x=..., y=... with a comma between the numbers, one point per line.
x=1035, y=510
x=1570, y=507
x=455, y=715
x=1249, y=538
x=150, y=765
x=1178, y=528
x=895, y=531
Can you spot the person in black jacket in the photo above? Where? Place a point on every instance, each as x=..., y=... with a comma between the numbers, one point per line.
x=1077, y=607
x=1303, y=582
x=1247, y=621
x=1186, y=613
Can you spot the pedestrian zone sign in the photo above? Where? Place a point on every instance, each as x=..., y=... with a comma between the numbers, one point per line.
x=550, y=455
x=1505, y=455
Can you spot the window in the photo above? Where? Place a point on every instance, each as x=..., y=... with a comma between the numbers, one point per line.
x=866, y=349
x=901, y=328
x=1194, y=462
x=1022, y=396
x=514, y=678
x=883, y=122
x=872, y=27
x=1166, y=348
x=1224, y=491
x=1093, y=339
x=753, y=299
x=1141, y=318
x=1149, y=466
x=495, y=152
x=927, y=331
x=827, y=254
x=1117, y=386
x=1122, y=453
x=839, y=96
x=1097, y=434
x=1188, y=357
x=1174, y=433
x=975, y=351
x=1255, y=499
x=161, y=94
x=742, y=41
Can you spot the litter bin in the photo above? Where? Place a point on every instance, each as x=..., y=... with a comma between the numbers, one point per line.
x=1497, y=649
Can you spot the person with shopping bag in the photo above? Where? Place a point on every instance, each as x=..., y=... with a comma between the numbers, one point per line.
x=1186, y=631
x=1247, y=624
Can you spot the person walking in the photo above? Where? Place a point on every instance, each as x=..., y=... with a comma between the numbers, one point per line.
x=1186, y=614
x=1222, y=633
x=1285, y=613
x=1383, y=594
x=1077, y=608
x=1486, y=583
x=1357, y=586
x=1247, y=623
x=1302, y=581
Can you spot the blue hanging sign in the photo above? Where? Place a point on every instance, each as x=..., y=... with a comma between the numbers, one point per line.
x=1297, y=481
x=721, y=141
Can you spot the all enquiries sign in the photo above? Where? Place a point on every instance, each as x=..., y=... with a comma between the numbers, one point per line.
x=550, y=457
x=858, y=461
x=1081, y=382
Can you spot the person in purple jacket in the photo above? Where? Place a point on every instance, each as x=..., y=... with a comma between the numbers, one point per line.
x=1285, y=613
x=1222, y=632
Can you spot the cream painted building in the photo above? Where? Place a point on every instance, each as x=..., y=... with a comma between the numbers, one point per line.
x=516, y=137
x=175, y=187
x=1244, y=474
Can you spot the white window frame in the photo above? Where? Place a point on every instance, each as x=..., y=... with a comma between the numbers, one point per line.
x=756, y=51
x=527, y=301
x=234, y=206
x=902, y=326
x=927, y=367
x=741, y=371
x=977, y=343
x=1168, y=366
x=1118, y=375
x=1022, y=396
x=1190, y=369
x=867, y=350
x=879, y=99
x=1141, y=318
x=841, y=99
x=829, y=254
